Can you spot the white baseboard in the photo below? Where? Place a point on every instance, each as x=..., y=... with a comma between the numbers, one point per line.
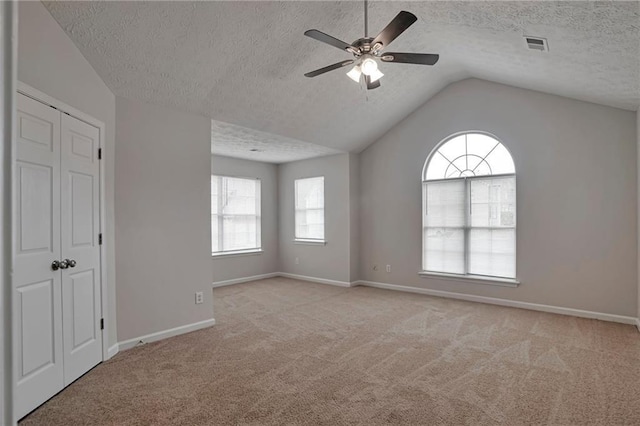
x=112, y=351
x=159, y=335
x=504, y=302
x=450, y=295
x=243, y=280
x=317, y=280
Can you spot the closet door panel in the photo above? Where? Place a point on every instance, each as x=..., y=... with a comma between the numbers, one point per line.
x=80, y=204
x=37, y=286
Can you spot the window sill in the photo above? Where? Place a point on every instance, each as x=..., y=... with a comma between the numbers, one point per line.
x=503, y=282
x=310, y=242
x=237, y=253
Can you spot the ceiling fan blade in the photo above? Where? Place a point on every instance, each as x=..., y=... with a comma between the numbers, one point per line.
x=326, y=38
x=397, y=26
x=329, y=68
x=371, y=84
x=411, y=58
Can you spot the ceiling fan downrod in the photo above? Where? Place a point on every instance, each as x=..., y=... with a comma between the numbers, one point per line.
x=366, y=19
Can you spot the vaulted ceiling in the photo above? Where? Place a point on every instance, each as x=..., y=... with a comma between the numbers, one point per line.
x=242, y=63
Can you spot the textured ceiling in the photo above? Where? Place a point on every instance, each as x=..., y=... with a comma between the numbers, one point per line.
x=243, y=62
x=237, y=141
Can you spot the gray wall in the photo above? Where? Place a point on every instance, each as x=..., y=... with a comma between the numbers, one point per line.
x=50, y=62
x=163, y=240
x=240, y=266
x=354, y=213
x=576, y=194
x=637, y=168
x=330, y=261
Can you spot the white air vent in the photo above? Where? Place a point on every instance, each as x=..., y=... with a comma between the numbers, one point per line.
x=537, y=43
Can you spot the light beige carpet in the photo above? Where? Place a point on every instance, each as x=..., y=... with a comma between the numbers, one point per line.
x=292, y=352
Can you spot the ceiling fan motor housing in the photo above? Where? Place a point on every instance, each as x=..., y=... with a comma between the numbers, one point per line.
x=363, y=45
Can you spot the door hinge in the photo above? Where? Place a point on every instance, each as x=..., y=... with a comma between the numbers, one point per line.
x=100, y=239
x=101, y=323
x=99, y=153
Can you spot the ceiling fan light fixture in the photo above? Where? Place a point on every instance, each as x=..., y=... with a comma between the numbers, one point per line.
x=355, y=74
x=369, y=66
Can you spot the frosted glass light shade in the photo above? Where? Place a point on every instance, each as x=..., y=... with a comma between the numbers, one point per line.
x=369, y=66
x=355, y=74
x=376, y=75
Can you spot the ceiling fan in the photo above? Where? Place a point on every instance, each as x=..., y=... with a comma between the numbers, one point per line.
x=368, y=51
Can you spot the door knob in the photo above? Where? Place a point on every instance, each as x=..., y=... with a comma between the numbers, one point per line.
x=64, y=264
x=55, y=265
x=71, y=263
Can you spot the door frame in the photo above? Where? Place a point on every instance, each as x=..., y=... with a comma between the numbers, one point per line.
x=8, y=73
x=39, y=96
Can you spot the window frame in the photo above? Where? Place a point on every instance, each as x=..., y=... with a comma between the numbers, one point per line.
x=303, y=240
x=220, y=218
x=466, y=276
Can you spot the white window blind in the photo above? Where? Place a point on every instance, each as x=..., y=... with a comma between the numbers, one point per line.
x=235, y=214
x=469, y=196
x=470, y=226
x=492, y=233
x=309, y=208
x=445, y=226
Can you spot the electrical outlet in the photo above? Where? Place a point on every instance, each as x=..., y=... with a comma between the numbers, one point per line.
x=388, y=268
x=297, y=260
x=375, y=267
x=199, y=297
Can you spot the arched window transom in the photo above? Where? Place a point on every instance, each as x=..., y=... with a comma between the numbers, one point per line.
x=469, y=208
x=469, y=154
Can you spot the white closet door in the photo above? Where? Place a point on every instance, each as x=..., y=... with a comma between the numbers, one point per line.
x=37, y=287
x=80, y=174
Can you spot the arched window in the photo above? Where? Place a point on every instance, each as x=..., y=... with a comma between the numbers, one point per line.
x=469, y=208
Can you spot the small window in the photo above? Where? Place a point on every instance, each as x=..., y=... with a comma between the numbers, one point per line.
x=309, y=209
x=235, y=214
x=469, y=208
